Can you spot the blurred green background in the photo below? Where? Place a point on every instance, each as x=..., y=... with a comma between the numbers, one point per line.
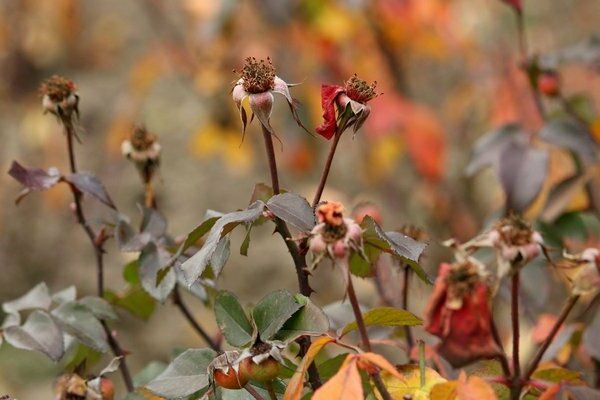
x=448, y=71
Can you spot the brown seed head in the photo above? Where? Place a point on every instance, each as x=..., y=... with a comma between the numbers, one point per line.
x=358, y=90
x=461, y=280
x=57, y=88
x=258, y=76
x=141, y=139
x=514, y=231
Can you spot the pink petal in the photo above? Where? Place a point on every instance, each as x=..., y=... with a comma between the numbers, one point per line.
x=329, y=93
x=261, y=105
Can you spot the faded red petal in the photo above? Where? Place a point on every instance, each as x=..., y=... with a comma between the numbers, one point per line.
x=328, y=95
x=466, y=333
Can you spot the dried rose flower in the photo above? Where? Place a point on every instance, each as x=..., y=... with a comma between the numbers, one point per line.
x=351, y=101
x=334, y=235
x=258, y=82
x=144, y=150
x=59, y=97
x=516, y=243
x=458, y=312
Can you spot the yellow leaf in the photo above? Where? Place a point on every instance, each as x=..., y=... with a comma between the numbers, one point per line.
x=296, y=384
x=411, y=383
x=381, y=363
x=444, y=391
x=345, y=385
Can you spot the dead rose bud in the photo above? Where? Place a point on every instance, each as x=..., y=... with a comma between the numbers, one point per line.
x=261, y=363
x=587, y=277
x=257, y=81
x=143, y=149
x=70, y=387
x=458, y=312
x=59, y=97
x=516, y=243
x=548, y=83
x=334, y=235
x=351, y=101
x=224, y=371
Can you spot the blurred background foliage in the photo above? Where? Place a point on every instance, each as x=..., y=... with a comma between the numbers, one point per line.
x=448, y=71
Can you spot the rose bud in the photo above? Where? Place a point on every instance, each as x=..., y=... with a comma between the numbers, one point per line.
x=548, y=83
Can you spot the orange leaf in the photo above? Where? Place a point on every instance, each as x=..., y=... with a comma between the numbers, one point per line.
x=296, y=384
x=474, y=388
x=345, y=385
x=444, y=391
x=381, y=363
x=550, y=393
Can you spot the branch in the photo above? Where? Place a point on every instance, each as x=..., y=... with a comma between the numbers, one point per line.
x=99, y=253
x=178, y=301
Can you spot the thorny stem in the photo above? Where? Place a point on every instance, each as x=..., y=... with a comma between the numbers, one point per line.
x=325, y=173
x=366, y=344
x=502, y=357
x=407, y=331
x=544, y=346
x=178, y=301
x=99, y=253
x=253, y=392
x=297, y=255
x=516, y=378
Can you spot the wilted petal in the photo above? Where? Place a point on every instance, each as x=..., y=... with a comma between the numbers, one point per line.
x=282, y=88
x=356, y=107
x=238, y=93
x=361, y=118
x=329, y=93
x=261, y=105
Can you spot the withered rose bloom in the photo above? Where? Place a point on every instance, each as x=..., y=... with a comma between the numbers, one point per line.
x=459, y=314
x=258, y=82
x=143, y=149
x=351, y=101
x=59, y=97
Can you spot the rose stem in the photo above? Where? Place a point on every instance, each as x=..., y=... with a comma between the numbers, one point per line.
x=325, y=173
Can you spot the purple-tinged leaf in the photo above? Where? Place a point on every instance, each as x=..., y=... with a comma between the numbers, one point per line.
x=523, y=170
x=294, y=210
x=39, y=333
x=77, y=320
x=153, y=222
x=128, y=240
x=34, y=179
x=487, y=150
x=570, y=134
x=90, y=184
x=151, y=261
x=195, y=265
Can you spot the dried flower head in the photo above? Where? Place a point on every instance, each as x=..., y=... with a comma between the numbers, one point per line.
x=516, y=243
x=258, y=82
x=331, y=213
x=458, y=312
x=144, y=150
x=352, y=109
x=59, y=96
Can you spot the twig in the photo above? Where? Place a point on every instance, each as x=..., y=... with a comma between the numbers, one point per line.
x=325, y=173
x=99, y=253
x=544, y=346
x=178, y=301
x=407, y=331
x=516, y=377
x=253, y=392
x=297, y=255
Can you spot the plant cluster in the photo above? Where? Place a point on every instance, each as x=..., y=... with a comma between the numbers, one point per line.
x=287, y=347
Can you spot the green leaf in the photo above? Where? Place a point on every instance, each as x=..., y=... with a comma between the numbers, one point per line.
x=77, y=320
x=272, y=312
x=232, y=320
x=81, y=353
x=135, y=300
x=99, y=307
x=195, y=265
x=331, y=366
x=385, y=316
x=68, y=294
x=185, y=375
x=148, y=373
x=557, y=375
x=39, y=333
x=408, y=249
x=293, y=209
x=361, y=267
x=151, y=260
x=309, y=320
x=220, y=256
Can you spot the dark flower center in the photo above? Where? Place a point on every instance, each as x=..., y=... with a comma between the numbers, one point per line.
x=141, y=139
x=359, y=90
x=57, y=88
x=258, y=76
x=462, y=279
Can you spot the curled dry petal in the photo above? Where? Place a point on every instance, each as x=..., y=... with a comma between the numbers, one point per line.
x=465, y=332
x=329, y=93
x=261, y=105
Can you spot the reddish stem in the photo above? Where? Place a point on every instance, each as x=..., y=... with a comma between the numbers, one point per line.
x=327, y=168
